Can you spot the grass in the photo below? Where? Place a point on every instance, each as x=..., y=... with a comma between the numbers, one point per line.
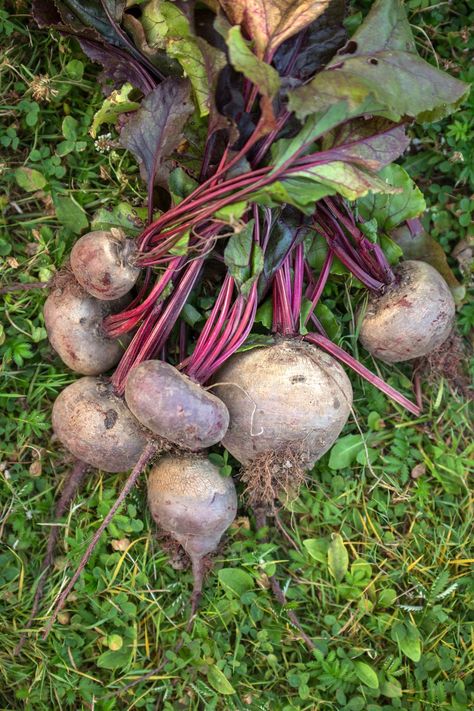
x=380, y=569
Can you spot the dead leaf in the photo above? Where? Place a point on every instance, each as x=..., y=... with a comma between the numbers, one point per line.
x=36, y=468
x=418, y=471
x=120, y=544
x=416, y=243
x=270, y=22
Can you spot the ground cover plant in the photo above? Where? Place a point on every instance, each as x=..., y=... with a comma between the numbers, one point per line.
x=380, y=592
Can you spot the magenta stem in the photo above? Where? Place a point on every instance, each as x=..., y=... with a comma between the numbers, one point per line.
x=361, y=370
x=318, y=289
x=153, y=333
x=297, y=294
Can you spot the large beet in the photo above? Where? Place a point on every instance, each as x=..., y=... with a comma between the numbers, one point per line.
x=414, y=316
x=102, y=264
x=174, y=407
x=73, y=320
x=289, y=396
x=96, y=425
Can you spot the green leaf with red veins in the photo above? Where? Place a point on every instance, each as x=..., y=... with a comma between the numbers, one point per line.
x=304, y=187
x=261, y=74
x=381, y=61
x=154, y=131
x=371, y=143
x=270, y=22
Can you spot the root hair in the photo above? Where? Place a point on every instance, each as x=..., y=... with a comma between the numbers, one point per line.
x=273, y=476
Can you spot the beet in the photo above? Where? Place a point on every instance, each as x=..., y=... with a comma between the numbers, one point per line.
x=102, y=263
x=96, y=426
x=175, y=407
x=413, y=317
x=74, y=321
x=290, y=394
x=190, y=500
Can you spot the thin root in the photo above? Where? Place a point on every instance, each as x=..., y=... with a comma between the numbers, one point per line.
x=274, y=476
x=261, y=522
x=71, y=486
x=20, y=286
x=449, y=362
x=280, y=596
x=148, y=453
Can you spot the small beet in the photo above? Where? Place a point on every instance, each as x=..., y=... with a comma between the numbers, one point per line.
x=175, y=407
x=96, y=426
x=413, y=317
x=190, y=500
x=102, y=264
x=73, y=320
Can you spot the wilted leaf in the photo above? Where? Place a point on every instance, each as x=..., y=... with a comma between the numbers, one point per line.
x=316, y=46
x=154, y=131
x=117, y=103
x=381, y=61
x=214, y=61
x=187, y=52
x=118, y=66
x=372, y=143
x=366, y=675
x=100, y=38
x=270, y=22
x=338, y=558
x=416, y=243
x=263, y=75
x=30, y=179
x=93, y=14
x=219, y=681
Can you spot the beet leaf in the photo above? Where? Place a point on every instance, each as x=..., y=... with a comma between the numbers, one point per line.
x=381, y=61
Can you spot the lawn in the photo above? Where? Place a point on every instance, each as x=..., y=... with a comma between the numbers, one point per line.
x=375, y=556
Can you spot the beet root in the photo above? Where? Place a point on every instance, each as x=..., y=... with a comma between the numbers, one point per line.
x=102, y=263
x=189, y=499
x=414, y=316
x=74, y=320
x=174, y=407
x=71, y=486
x=288, y=395
x=287, y=403
x=96, y=426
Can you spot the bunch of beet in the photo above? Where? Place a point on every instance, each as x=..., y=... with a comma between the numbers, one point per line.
x=276, y=408
x=155, y=393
